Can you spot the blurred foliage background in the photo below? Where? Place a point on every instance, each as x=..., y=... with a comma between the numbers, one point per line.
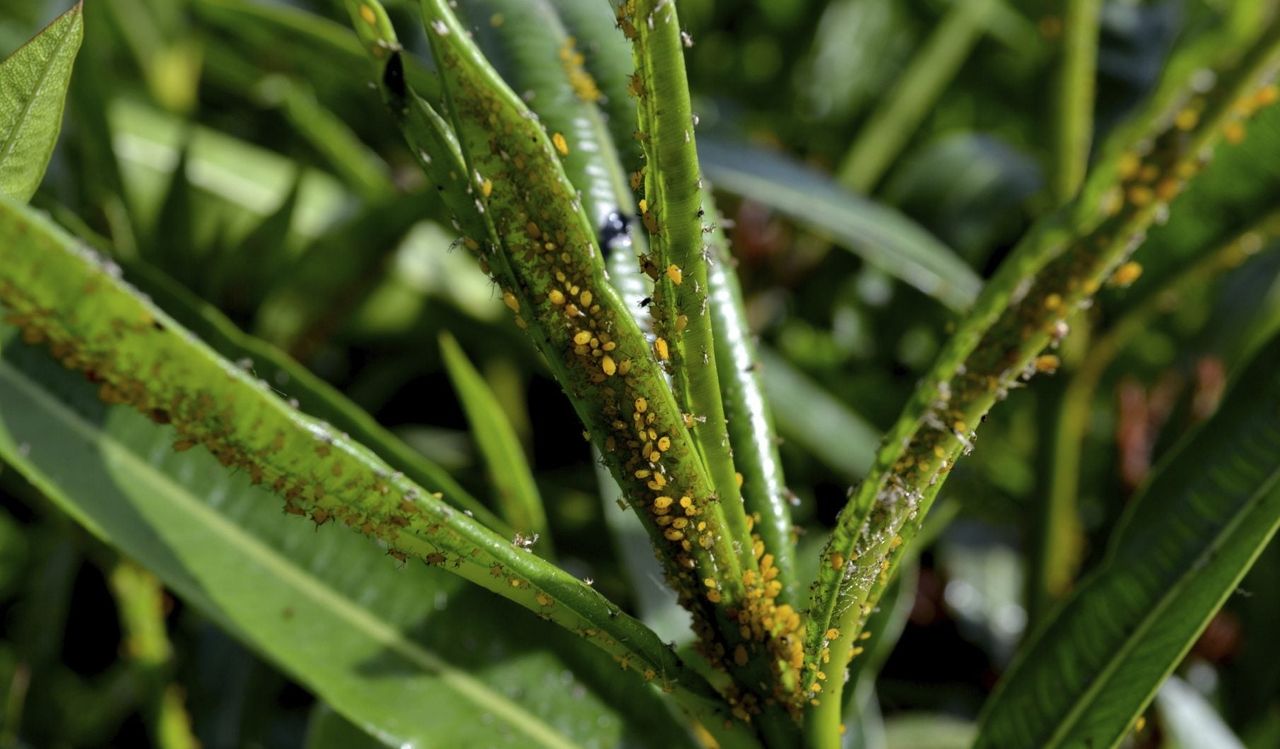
x=238, y=148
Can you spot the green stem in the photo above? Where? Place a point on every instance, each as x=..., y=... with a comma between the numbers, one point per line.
x=1023, y=309
x=1076, y=76
x=915, y=92
x=1058, y=557
x=674, y=217
x=751, y=429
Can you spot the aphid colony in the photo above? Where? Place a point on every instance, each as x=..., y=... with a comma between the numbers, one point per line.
x=552, y=280
x=138, y=361
x=1011, y=350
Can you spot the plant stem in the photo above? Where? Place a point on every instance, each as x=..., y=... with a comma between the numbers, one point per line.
x=1054, y=272
x=1076, y=76
x=932, y=68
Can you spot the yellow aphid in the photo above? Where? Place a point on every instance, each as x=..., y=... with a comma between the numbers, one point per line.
x=586, y=297
x=556, y=296
x=1167, y=188
x=710, y=582
x=644, y=205
x=486, y=188
x=1052, y=301
x=1047, y=363
x=582, y=337
x=544, y=599
x=1233, y=132
x=1140, y=196
x=642, y=405
x=510, y=300
x=368, y=15
x=660, y=348
x=682, y=322
x=662, y=502
x=637, y=180
x=832, y=633
x=1186, y=119
x=1127, y=274
x=671, y=534
x=561, y=144
x=1266, y=95
x=675, y=274
x=738, y=478
x=608, y=366
x=1129, y=165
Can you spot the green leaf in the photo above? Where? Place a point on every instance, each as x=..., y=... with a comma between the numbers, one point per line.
x=879, y=235
x=752, y=436
x=410, y=653
x=1179, y=552
x=508, y=468
x=608, y=59
x=817, y=421
x=57, y=291
x=314, y=395
x=33, y=92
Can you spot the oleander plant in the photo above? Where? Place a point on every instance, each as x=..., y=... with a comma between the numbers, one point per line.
x=593, y=373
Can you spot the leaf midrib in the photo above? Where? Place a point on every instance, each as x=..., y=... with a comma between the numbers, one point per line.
x=11, y=137
x=306, y=584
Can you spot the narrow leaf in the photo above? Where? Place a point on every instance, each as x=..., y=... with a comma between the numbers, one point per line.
x=33, y=92
x=412, y=654
x=1178, y=553
x=878, y=234
x=60, y=293
x=817, y=421
x=752, y=436
x=508, y=468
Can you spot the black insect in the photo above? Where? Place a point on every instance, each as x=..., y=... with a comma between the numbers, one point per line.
x=613, y=233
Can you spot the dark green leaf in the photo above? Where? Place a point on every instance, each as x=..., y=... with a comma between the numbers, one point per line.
x=881, y=236
x=1180, y=551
